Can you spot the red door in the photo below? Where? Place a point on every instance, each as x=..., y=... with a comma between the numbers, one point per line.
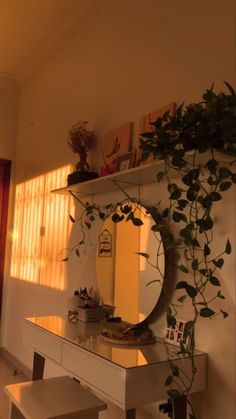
x=5, y=168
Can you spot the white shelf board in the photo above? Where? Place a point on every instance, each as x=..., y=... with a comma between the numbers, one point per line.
x=136, y=176
x=141, y=175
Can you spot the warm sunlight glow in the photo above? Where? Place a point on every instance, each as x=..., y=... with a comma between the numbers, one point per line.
x=41, y=229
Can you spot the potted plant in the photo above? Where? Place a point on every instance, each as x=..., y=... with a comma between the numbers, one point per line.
x=81, y=140
x=209, y=124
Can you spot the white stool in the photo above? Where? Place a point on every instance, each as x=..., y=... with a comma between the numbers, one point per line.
x=54, y=398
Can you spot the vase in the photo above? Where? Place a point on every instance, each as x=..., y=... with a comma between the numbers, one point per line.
x=82, y=165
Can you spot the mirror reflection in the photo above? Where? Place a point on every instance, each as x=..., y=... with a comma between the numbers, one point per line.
x=130, y=282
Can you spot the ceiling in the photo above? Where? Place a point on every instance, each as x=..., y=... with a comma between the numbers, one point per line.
x=32, y=31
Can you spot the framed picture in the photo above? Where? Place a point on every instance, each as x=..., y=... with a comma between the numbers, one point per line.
x=105, y=244
x=124, y=161
x=175, y=334
x=115, y=142
x=145, y=125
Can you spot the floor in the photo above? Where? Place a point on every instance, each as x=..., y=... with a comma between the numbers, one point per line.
x=8, y=375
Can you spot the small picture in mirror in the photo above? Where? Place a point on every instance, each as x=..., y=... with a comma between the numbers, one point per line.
x=105, y=244
x=124, y=161
x=175, y=334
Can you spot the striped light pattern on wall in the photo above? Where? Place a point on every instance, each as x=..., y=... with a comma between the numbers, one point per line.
x=41, y=229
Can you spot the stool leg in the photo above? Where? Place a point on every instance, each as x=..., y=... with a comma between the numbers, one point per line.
x=38, y=366
x=15, y=413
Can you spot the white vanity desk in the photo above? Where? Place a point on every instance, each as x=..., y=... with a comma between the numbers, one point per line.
x=128, y=377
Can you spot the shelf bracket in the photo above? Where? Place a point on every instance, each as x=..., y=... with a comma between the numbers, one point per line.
x=77, y=199
x=118, y=185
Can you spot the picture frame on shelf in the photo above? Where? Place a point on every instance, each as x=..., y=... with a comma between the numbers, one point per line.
x=145, y=125
x=115, y=142
x=124, y=161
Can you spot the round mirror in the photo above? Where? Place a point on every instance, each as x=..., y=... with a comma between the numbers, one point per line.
x=126, y=280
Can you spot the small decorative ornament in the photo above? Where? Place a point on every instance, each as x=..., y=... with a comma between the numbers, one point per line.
x=81, y=140
x=105, y=244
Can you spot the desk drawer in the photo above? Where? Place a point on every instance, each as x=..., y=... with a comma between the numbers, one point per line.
x=43, y=342
x=107, y=378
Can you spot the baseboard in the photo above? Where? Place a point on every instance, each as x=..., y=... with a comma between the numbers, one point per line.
x=16, y=363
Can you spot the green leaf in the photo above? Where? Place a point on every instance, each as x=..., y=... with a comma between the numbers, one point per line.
x=205, y=224
x=233, y=177
x=182, y=203
x=218, y=262
x=71, y=218
x=231, y=89
x=88, y=225
x=181, y=285
x=228, y=247
x=145, y=255
x=206, y=312
x=182, y=298
x=191, y=291
x=174, y=369
x=137, y=221
x=174, y=394
x=212, y=165
x=65, y=259
x=179, y=216
x=195, y=264
x=176, y=194
x=156, y=227
x=210, y=180
x=160, y=176
x=182, y=268
x=214, y=281
x=172, y=187
x=126, y=209
x=168, y=380
x=207, y=250
x=165, y=212
x=195, y=243
x=186, y=179
x=116, y=218
x=188, y=330
x=171, y=320
x=225, y=314
x=101, y=215
x=225, y=185
x=77, y=252
x=194, y=174
x=179, y=163
x=224, y=173
x=219, y=295
x=216, y=196
x=206, y=202
x=191, y=194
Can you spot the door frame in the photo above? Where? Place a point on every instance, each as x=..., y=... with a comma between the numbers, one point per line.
x=6, y=164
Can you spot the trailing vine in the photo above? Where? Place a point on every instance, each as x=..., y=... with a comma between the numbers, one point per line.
x=204, y=175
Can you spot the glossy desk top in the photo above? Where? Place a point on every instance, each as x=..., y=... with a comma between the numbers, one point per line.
x=87, y=336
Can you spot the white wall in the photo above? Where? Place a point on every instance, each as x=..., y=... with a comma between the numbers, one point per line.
x=131, y=58
x=9, y=94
